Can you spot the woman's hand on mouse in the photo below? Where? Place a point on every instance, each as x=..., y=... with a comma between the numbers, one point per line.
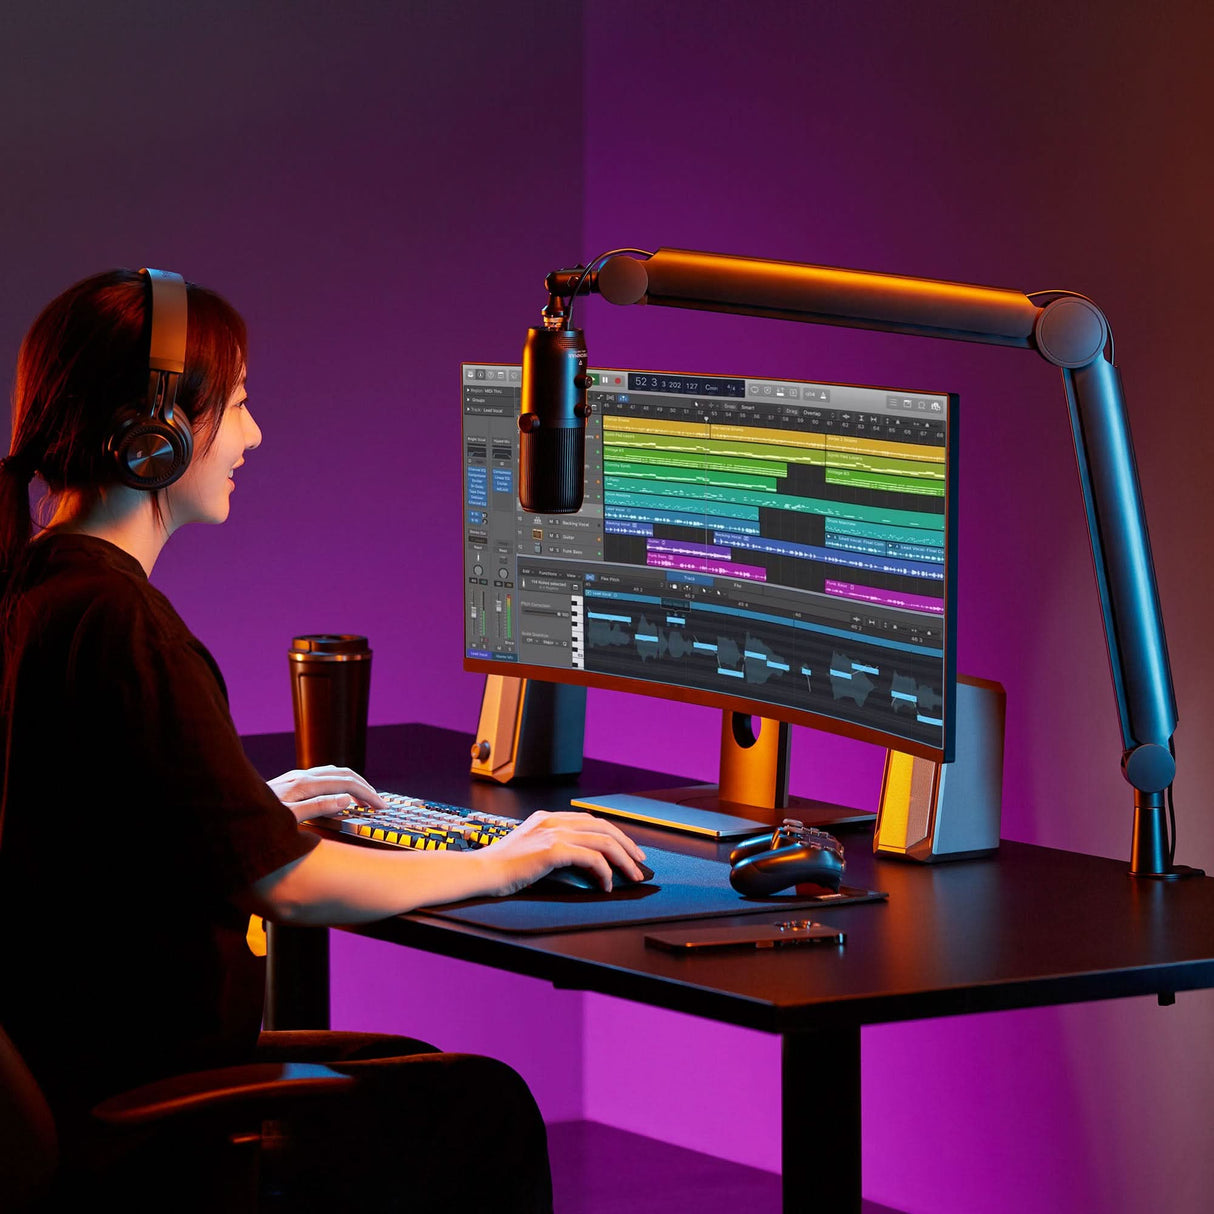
x=319, y=792
x=545, y=841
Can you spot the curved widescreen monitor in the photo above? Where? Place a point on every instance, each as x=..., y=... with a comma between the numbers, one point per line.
x=771, y=546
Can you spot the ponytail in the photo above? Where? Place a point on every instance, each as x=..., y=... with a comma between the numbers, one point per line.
x=16, y=524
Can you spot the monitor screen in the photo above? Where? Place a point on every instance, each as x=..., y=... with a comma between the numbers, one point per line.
x=772, y=546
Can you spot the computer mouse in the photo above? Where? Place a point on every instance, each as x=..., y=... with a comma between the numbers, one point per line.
x=561, y=880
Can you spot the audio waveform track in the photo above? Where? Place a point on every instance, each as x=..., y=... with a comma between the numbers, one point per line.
x=697, y=647
x=840, y=514
x=912, y=696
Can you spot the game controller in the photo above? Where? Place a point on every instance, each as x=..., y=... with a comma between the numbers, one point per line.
x=793, y=854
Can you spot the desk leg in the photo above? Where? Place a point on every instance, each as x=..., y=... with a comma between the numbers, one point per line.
x=820, y=1089
x=297, y=977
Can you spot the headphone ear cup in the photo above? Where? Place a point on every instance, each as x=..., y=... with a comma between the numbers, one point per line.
x=151, y=453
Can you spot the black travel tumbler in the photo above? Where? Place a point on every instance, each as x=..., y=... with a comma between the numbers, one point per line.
x=330, y=691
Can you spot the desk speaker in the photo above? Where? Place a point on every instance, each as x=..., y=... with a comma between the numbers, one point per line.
x=529, y=730
x=948, y=811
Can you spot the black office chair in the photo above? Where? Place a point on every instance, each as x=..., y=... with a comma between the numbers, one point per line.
x=189, y=1142
x=30, y=1155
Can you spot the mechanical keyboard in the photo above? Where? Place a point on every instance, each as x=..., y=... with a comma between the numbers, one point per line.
x=418, y=823
x=424, y=825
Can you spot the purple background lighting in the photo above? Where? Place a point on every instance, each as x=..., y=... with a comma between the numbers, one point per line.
x=381, y=189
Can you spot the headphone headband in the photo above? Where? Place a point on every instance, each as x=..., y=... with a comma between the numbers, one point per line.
x=169, y=315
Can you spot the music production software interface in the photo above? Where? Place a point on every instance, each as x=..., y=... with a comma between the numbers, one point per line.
x=774, y=540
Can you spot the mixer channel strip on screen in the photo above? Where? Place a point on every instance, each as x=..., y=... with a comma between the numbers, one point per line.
x=414, y=822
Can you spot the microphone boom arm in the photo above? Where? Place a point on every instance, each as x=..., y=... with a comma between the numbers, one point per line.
x=1068, y=331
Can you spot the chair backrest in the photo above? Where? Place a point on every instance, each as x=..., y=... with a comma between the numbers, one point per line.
x=29, y=1146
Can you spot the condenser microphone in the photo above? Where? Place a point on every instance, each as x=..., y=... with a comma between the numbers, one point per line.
x=552, y=421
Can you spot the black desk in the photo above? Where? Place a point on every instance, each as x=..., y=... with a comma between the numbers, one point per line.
x=1030, y=927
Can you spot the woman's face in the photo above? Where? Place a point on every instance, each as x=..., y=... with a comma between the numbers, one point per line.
x=203, y=493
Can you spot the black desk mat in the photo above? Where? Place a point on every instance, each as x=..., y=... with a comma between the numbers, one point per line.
x=683, y=887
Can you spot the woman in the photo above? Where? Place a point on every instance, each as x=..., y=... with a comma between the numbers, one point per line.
x=137, y=838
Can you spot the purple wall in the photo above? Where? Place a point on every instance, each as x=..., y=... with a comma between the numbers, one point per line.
x=369, y=188
x=359, y=181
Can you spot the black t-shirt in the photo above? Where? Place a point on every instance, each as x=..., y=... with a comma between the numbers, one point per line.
x=131, y=818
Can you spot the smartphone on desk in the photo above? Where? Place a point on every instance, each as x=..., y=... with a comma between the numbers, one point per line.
x=762, y=935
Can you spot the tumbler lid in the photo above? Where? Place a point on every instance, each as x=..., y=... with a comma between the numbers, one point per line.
x=332, y=645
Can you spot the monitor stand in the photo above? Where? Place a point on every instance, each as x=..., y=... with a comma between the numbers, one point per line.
x=752, y=794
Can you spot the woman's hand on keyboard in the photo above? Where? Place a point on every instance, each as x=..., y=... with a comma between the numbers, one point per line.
x=320, y=791
x=335, y=883
x=546, y=841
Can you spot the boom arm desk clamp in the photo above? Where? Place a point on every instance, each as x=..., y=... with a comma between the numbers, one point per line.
x=1067, y=330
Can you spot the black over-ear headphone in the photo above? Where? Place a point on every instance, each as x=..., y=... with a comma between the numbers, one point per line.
x=152, y=443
